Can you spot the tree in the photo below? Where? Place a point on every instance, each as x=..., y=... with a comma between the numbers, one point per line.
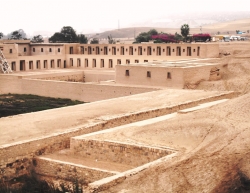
x=94, y=41
x=185, y=31
x=37, y=39
x=24, y=36
x=142, y=37
x=111, y=40
x=15, y=35
x=178, y=37
x=146, y=36
x=67, y=35
x=57, y=37
x=152, y=32
x=82, y=39
x=1, y=35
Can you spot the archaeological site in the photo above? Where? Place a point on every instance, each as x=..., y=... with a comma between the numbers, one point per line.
x=170, y=117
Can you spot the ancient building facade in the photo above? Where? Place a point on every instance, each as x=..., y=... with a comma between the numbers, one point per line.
x=25, y=56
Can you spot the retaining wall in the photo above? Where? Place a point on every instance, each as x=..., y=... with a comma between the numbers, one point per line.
x=116, y=152
x=68, y=171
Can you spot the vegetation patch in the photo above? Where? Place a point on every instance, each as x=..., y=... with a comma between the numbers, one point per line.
x=14, y=104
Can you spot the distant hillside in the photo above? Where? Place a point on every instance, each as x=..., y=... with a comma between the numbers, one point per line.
x=228, y=27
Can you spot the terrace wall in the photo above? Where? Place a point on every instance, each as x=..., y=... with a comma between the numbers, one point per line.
x=68, y=171
x=109, y=151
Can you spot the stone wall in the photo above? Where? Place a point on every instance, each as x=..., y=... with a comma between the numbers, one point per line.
x=68, y=171
x=132, y=155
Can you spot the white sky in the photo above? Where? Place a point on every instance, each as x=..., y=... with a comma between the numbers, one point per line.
x=96, y=15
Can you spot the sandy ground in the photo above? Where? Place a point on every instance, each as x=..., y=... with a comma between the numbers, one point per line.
x=39, y=124
x=214, y=146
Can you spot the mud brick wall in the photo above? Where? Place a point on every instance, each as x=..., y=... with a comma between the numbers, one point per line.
x=116, y=152
x=63, y=170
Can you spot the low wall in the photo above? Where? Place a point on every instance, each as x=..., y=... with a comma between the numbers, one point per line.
x=68, y=171
x=98, y=76
x=76, y=76
x=128, y=154
x=62, y=76
x=60, y=89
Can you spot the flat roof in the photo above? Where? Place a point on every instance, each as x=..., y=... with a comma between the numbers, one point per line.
x=175, y=63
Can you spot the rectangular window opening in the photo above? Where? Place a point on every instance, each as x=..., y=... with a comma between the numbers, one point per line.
x=70, y=50
x=148, y=74
x=102, y=63
x=13, y=66
x=78, y=62
x=59, y=63
x=169, y=75
x=178, y=52
x=122, y=50
x=127, y=73
x=52, y=64
x=168, y=51
x=110, y=63
x=86, y=63
x=38, y=64
x=94, y=63
x=119, y=61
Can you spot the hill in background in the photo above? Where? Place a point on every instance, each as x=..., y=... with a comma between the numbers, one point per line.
x=226, y=27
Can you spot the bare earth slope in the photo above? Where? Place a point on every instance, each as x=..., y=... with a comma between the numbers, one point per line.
x=214, y=162
x=237, y=75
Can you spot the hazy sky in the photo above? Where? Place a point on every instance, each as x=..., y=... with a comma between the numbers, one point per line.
x=96, y=15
